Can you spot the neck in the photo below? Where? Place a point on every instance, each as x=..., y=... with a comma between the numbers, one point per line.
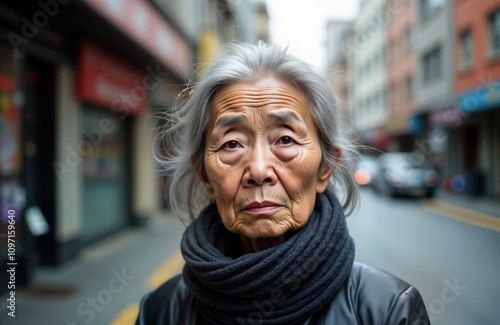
x=254, y=245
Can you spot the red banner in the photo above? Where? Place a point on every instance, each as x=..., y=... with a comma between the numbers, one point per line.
x=139, y=20
x=106, y=80
x=7, y=83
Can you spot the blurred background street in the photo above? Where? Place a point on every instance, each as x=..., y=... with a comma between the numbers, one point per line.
x=84, y=227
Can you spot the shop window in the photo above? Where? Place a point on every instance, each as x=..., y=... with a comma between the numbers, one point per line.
x=10, y=123
x=104, y=171
x=11, y=189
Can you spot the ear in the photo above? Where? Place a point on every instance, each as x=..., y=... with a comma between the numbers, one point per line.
x=203, y=177
x=325, y=172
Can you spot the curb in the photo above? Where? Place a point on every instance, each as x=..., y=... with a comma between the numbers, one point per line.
x=465, y=215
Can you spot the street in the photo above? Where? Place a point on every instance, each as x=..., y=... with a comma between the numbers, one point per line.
x=455, y=266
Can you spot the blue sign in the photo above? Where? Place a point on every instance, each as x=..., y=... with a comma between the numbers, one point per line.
x=416, y=124
x=483, y=97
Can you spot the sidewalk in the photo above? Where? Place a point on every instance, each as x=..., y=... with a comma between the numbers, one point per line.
x=481, y=204
x=104, y=280
x=478, y=211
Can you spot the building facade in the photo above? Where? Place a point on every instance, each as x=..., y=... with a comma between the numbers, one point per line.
x=366, y=54
x=434, y=77
x=337, y=33
x=80, y=82
x=75, y=160
x=401, y=65
x=474, y=139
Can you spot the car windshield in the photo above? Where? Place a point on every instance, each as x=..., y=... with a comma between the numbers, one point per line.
x=406, y=160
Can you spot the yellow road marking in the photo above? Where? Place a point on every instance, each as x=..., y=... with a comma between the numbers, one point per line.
x=463, y=214
x=166, y=271
x=127, y=316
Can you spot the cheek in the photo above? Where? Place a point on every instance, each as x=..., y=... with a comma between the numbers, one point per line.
x=302, y=172
x=224, y=181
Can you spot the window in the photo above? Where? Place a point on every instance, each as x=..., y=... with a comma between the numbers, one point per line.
x=392, y=95
x=431, y=65
x=384, y=98
x=409, y=88
x=428, y=8
x=392, y=52
x=494, y=33
x=397, y=95
x=466, y=50
x=407, y=39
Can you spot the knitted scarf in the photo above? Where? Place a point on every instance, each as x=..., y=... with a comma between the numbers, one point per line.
x=280, y=285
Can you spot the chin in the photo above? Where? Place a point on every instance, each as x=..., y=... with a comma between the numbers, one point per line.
x=264, y=229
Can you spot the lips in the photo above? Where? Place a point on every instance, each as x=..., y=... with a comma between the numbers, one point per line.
x=259, y=207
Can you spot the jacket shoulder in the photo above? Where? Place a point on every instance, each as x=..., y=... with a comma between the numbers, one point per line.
x=162, y=306
x=372, y=296
x=382, y=296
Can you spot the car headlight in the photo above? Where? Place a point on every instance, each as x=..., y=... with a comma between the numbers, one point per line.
x=362, y=177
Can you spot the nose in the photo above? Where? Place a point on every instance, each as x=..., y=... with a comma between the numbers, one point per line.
x=259, y=168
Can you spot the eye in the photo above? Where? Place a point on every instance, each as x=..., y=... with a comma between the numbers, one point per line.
x=231, y=144
x=285, y=140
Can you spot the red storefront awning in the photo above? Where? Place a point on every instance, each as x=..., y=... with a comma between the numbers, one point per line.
x=106, y=80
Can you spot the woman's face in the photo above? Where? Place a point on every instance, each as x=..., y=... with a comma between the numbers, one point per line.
x=263, y=159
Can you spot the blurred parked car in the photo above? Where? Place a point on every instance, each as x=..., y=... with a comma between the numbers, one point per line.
x=366, y=170
x=406, y=173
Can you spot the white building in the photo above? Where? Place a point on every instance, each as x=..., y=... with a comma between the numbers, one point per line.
x=366, y=54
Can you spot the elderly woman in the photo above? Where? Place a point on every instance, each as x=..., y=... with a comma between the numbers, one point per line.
x=257, y=151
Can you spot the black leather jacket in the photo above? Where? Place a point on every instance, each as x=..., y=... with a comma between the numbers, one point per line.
x=369, y=296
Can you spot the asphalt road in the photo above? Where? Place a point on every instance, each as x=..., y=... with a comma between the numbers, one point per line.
x=455, y=265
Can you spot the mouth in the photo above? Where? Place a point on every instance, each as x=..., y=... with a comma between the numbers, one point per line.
x=261, y=207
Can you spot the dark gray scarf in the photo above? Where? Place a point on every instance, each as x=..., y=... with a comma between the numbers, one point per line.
x=280, y=285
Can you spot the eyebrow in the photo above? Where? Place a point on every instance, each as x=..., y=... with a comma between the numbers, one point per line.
x=228, y=121
x=284, y=117
x=280, y=117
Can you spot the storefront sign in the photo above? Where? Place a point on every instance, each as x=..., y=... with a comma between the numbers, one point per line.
x=108, y=81
x=141, y=22
x=484, y=97
x=447, y=117
x=375, y=138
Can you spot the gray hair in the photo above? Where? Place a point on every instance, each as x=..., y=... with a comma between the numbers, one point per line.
x=180, y=142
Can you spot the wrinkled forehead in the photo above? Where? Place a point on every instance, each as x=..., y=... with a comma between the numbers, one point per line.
x=268, y=92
